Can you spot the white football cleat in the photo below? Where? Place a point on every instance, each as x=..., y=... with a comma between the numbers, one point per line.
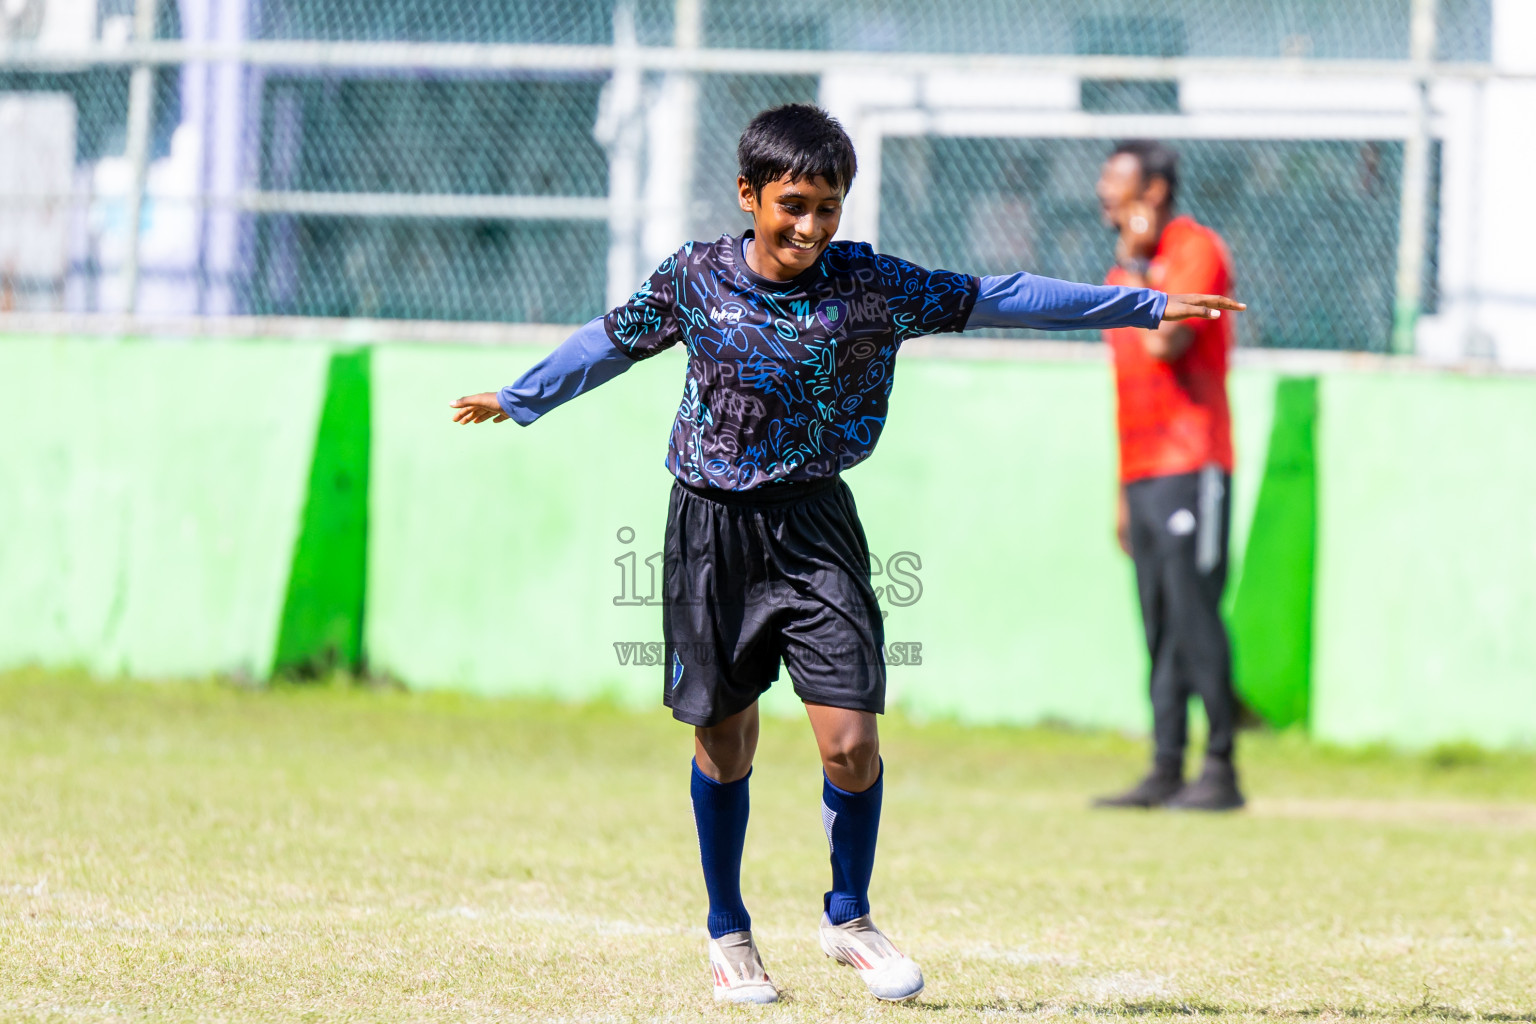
x=738, y=971
x=887, y=971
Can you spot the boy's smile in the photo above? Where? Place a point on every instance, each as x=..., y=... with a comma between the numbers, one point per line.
x=793, y=221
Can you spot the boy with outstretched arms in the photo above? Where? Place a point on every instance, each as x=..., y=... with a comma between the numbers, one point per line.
x=791, y=341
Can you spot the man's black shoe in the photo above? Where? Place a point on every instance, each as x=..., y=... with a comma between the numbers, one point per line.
x=1215, y=790
x=1152, y=791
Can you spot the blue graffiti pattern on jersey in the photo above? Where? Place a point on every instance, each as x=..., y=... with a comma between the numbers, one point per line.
x=785, y=381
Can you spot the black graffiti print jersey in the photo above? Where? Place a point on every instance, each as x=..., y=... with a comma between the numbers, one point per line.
x=786, y=380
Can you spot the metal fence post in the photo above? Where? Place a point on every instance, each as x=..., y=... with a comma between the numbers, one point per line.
x=618, y=129
x=141, y=101
x=1414, y=216
x=688, y=36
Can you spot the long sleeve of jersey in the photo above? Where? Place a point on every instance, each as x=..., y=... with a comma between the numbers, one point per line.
x=580, y=363
x=1046, y=304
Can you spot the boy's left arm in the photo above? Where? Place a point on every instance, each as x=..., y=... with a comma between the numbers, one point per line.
x=1047, y=304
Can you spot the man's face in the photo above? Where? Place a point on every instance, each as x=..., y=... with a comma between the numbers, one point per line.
x=1119, y=187
x=793, y=221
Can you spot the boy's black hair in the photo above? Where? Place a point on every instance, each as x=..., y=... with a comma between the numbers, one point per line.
x=1157, y=160
x=798, y=140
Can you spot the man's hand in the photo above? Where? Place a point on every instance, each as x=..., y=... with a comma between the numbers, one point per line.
x=1139, y=233
x=1123, y=521
x=477, y=408
x=1202, y=307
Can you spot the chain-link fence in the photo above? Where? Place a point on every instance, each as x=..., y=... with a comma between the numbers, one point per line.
x=1311, y=225
x=526, y=161
x=1359, y=29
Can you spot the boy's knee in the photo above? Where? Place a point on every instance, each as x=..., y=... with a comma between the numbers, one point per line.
x=855, y=757
x=727, y=747
x=730, y=750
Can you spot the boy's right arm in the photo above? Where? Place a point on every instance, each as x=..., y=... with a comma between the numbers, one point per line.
x=582, y=362
x=598, y=352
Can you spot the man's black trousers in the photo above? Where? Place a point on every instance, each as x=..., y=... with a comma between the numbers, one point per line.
x=1179, y=543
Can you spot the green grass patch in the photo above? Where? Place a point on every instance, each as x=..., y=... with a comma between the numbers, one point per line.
x=202, y=852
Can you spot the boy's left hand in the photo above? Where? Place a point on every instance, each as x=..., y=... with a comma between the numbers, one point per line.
x=1202, y=307
x=482, y=407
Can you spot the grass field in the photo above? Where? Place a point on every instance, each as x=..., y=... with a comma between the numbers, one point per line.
x=196, y=851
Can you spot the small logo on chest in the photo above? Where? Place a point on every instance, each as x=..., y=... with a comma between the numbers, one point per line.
x=832, y=313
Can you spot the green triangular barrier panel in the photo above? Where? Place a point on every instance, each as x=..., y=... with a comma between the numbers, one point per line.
x=322, y=624
x=1271, y=616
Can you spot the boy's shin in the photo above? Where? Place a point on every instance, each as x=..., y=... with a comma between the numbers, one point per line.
x=720, y=811
x=852, y=822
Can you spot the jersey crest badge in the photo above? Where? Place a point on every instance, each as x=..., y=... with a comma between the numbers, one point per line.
x=832, y=313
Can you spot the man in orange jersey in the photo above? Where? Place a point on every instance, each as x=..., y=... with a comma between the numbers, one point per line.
x=1175, y=473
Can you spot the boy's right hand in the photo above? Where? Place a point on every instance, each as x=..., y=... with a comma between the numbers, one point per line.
x=477, y=408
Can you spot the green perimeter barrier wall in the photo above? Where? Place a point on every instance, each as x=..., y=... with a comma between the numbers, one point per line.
x=513, y=560
x=1426, y=590
x=149, y=500
x=251, y=507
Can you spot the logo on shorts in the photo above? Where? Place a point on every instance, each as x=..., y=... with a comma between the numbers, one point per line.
x=677, y=670
x=1181, y=523
x=832, y=313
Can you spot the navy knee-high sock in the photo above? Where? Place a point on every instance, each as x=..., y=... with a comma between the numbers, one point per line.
x=852, y=821
x=720, y=815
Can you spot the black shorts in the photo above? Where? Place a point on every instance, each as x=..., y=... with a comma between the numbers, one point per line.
x=752, y=578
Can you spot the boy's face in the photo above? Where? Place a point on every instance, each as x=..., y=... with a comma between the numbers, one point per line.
x=793, y=221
